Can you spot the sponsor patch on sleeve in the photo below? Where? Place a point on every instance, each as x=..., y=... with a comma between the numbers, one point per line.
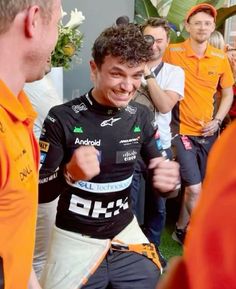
x=44, y=146
x=42, y=158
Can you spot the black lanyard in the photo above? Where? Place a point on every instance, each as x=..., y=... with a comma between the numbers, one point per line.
x=158, y=68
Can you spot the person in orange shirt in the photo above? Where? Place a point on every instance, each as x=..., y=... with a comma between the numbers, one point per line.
x=195, y=123
x=28, y=34
x=209, y=254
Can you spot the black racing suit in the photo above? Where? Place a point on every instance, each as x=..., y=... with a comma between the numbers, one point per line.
x=99, y=208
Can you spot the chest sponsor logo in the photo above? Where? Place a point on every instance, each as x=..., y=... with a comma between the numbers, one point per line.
x=79, y=108
x=126, y=156
x=78, y=130
x=44, y=146
x=137, y=129
x=109, y=122
x=88, y=142
x=97, y=209
x=25, y=173
x=102, y=187
x=131, y=109
x=130, y=141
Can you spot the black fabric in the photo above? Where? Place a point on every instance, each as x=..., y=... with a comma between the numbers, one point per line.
x=124, y=270
x=1, y=274
x=99, y=208
x=158, y=68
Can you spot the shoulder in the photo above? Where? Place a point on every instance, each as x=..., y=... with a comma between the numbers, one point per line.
x=139, y=108
x=176, y=47
x=70, y=107
x=217, y=53
x=173, y=68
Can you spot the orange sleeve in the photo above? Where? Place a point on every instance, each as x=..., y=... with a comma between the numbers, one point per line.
x=227, y=78
x=210, y=245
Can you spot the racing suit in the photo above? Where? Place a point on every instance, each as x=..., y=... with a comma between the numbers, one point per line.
x=99, y=208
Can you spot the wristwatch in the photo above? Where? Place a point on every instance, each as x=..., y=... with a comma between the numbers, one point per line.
x=151, y=75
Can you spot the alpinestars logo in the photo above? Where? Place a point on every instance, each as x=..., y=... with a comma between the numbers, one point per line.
x=109, y=122
x=87, y=142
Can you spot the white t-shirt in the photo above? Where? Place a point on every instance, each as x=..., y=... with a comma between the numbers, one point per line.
x=170, y=77
x=43, y=96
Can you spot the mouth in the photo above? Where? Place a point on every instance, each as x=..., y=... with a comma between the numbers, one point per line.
x=122, y=96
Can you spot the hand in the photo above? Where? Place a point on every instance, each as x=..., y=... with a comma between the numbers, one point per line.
x=147, y=70
x=165, y=174
x=210, y=128
x=84, y=164
x=33, y=281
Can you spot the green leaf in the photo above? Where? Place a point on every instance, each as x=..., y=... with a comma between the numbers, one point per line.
x=145, y=9
x=178, y=10
x=216, y=3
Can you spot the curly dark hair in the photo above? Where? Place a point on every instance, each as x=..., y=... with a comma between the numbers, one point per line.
x=123, y=41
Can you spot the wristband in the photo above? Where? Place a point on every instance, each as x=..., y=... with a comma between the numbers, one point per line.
x=151, y=75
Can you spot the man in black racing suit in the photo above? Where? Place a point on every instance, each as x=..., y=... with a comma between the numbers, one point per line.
x=88, y=150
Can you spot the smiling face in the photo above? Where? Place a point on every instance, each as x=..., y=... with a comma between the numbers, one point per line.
x=161, y=40
x=115, y=83
x=200, y=27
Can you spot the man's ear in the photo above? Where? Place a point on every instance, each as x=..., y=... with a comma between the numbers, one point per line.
x=31, y=20
x=93, y=70
x=186, y=25
x=213, y=27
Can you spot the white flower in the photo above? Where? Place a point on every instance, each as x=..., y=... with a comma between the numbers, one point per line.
x=76, y=18
x=63, y=13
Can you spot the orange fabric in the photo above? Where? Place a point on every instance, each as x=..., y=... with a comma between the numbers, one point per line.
x=201, y=80
x=210, y=252
x=18, y=187
x=199, y=7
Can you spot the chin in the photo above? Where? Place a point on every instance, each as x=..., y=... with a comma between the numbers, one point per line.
x=121, y=103
x=35, y=77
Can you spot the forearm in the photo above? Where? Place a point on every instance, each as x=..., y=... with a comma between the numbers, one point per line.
x=163, y=101
x=33, y=281
x=225, y=104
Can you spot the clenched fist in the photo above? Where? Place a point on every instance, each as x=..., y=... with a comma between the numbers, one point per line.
x=84, y=164
x=165, y=174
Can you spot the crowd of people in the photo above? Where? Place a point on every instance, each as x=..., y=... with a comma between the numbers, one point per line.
x=68, y=215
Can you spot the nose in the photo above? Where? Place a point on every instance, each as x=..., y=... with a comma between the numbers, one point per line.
x=127, y=85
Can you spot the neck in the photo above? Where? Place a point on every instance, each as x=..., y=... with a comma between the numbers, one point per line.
x=198, y=48
x=10, y=69
x=154, y=63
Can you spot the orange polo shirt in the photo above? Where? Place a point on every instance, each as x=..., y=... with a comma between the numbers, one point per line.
x=202, y=77
x=210, y=251
x=19, y=158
